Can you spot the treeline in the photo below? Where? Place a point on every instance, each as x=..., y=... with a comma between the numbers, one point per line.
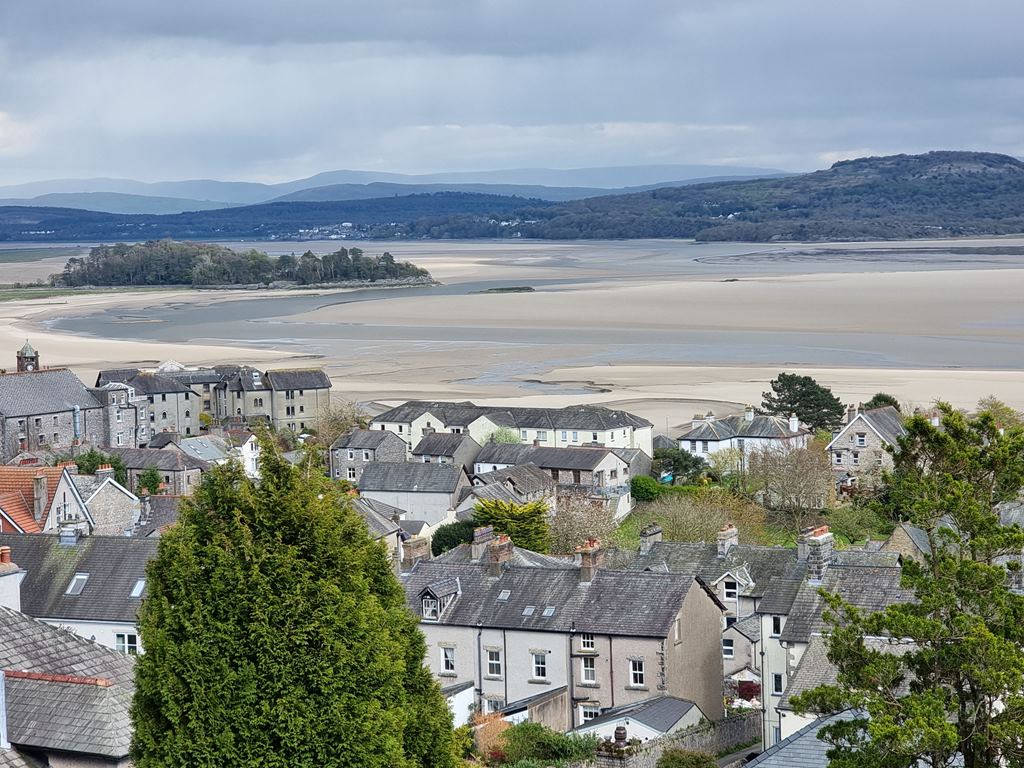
x=166, y=262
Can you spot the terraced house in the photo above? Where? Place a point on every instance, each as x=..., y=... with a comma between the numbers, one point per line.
x=560, y=642
x=551, y=427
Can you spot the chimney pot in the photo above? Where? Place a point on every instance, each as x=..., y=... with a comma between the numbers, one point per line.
x=481, y=536
x=794, y=423
x=819, y=552
x=499, y=552
x=727, y=538
x=5, y=555
x=414, y=549
x=748, y=414
x=649, y=536
x=591, y=559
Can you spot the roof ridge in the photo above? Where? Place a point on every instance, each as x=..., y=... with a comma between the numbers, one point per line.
x=53, y=677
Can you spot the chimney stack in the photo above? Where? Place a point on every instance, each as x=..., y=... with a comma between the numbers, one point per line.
x=104, y=471
x=748, y=414
x=39, y=497
x=414, y=549
x=499, y=552
x=696, y=421
x=794, y=423
x=818, y=544
x=649, y=536
x=728, y=538
x=11, y=577
x=481, y=536
x=591, y=559
x=851, y=413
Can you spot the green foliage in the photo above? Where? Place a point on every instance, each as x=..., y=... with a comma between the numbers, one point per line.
x=684, y=758
x=532, y=741
x=89, y=461
x=205, y=420
x=276, y=635
x=684, y=466
x=813, y=404
x=857, y=522
x=450, y=535
x=526, y=524
x=1004, y=415
x=880, y=400
x=166, y=262
x=961, y=637
x=150, y=480
x=644, y=488
x=462, y=738
x=503, y=435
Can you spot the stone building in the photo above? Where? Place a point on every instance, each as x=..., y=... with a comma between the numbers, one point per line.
x=112, y=509
x=179, y=472
x=525, y=626
x=858, y=451
x=350, y=453
x=447, y=448
x=288, y=399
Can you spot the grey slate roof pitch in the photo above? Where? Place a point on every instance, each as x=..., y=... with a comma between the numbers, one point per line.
x=527, y=478
x=664, y=442
x=163, y=439
x=368, y=439
x=541, y=456
x=159, y=458
x=441, y=444
x=660, y=713
x=56, y=716
x=579, y=417
x=614, y=603
x=52, y=390
x=749, y=627
x=158, y=512
x=114, y=565
x=887, y=421
x=298, y=378
x=761, y=426
x=156, y=384
x=522, y=558
x=205, y=448
x=410, y=476
x=801, y=750
x=781, y=591
x=378, y=517
x=116, y=376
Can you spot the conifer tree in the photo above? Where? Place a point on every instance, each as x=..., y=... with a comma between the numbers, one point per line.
x=276, y=635
x=526, y=524
x=814, y=404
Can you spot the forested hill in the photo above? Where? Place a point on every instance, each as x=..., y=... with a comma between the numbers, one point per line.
x=939, y=194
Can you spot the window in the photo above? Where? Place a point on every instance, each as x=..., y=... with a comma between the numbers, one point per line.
x=302, y=409
x=351, y=473
x=163, y=415
x=728, y=651
x=839, y=457
x=522, y=434
x=504, y=595
x=862, y=439
x=528, y=610
x=127, y=643
x=448, y=660
x=77, y=584
x=637, y=677
x=119, y=438
x=399, y=429
x=351, y=455
x=39, y=422
x=731, y=590
x=56, y=438
x=549, y=611
x=589, y=712
x=55, y=419
x=494, y=663
x=495, y=705
x=42, y=439
x=163, y=398
x=777, y=684
x=588, y=669
x=741, y=444
x=575, y=437
x=693, y=446
x=188, y=414
x=542, y=435
x=776, y=626
x=139, y=587
x=430, y=608
x=366, y=455
x=456, y=430
x=704, y=446
x=564, y=435
x=188, y=395
x=587, y=641
x=540, y=666
x=594, y=437
x=729, y=621
x=856, y=457
x=117, y=415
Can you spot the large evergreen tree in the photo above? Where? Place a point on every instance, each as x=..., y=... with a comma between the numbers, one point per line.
x=814, y=404
x=955, y=687
x=276, y=635
x=526, y=524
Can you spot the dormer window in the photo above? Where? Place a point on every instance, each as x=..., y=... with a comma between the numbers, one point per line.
x=139, y=588
x=731, y=589
x=77, y=584
x=431, y=609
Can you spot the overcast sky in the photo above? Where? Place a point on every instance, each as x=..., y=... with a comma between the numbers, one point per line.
x=269, y=91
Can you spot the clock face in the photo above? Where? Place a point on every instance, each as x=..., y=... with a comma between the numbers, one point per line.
x=30, y=367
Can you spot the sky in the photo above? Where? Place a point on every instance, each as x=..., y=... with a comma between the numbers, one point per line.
x=269, y=91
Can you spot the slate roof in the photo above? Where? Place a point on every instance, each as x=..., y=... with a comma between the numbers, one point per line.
x=158, y=512
x=114, y=565
x=156, y=384
x=541, y=456
x=886, y=421
x=870, y=588
x=660, y=713
x=77, y=717
x=664, y=442
x=615, y=603
x=410, y=476
x=749, y=627
x=522, y=558
x=52, y=390
x=163, y=439
x=116, y=376
x=297, y=378
x=761, y=562
x=801, y=750
x=245, y=378
x=205, y=448
x=866, y=557
x=160, y=458
x=462, y=414
x=368, y=439
x=441, y=444
x=527, y=478
x=378, y=517
x=761, y=426
x=781, y=591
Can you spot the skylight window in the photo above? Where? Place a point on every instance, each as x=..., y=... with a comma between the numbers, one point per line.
x=528, y=610
x=549, y=611
x=504, y=595
x=77, y=584
x=139, y=587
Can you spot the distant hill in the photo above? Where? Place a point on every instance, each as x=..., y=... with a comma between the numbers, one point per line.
x=264, y=222
x=247, y=193
x=116, y=202
x=938, y=194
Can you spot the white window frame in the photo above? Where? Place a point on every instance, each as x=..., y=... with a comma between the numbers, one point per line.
x=127, y=643
x=431, y=609
x=80, y=580
x=587, y=641
x=588, y=669
x=728, y=648
x=138, y=588
x=778, y=684
x=637, y=673
x=540, y=666
x=448, y=659
x=589, y=711
x=494, y=668
x=495, y=705
x=731, y=593
x=839, y=457
x=351, y=473
x=862, y=440
x=776, y=626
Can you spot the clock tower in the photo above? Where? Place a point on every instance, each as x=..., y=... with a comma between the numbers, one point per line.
x=28, y=358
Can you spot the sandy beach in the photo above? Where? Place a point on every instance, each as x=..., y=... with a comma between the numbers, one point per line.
x=665, y=329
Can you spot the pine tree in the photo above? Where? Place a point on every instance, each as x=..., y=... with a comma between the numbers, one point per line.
x=276, y=635
x=526, y=524
x=813, y=404
x=955, y=689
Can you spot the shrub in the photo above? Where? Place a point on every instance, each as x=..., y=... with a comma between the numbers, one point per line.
x=644, y=488
x=683, y=758
x=450, y=535
x=532, y=741
x=526, y=524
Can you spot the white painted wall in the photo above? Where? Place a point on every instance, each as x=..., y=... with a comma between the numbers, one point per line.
x=103, y=632
x=432, y=508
